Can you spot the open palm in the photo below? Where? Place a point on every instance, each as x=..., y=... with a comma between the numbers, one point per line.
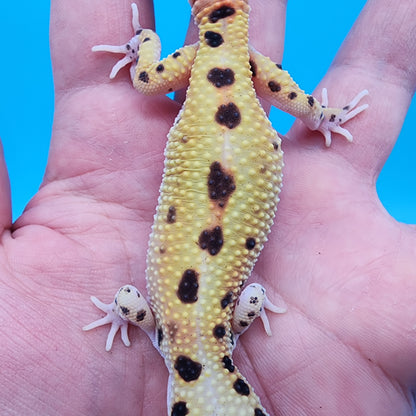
x=347, y=271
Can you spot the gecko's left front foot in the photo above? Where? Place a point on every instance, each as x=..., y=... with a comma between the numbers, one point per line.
x=333, y=118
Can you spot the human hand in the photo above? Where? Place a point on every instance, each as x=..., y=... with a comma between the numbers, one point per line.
x=345, y=269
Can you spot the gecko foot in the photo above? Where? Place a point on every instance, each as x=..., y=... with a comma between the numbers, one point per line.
x=128, y=306
x=333, y=118
x=130, y=49
x=251, y=304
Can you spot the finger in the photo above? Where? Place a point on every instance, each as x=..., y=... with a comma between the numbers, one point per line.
x=100, y=123
x=267, y=27
x=77, y=25
x=378, y=55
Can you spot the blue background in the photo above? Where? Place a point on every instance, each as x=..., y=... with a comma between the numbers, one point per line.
x=26, y=87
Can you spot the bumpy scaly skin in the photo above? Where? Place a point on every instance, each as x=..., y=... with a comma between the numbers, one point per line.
x=217, y=202
x=218, y=198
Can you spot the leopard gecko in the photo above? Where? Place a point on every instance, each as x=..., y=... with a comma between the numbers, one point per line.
x=218, y=198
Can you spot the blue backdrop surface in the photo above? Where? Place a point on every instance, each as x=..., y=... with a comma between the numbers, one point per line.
x=26, y=107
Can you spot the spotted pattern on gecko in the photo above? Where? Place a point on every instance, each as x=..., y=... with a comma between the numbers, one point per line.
x=218, y=198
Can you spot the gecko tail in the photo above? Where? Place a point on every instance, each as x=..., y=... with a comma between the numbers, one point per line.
x=225, y=391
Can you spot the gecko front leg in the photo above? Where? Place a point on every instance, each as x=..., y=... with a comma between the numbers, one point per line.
x=149, y=74
x=276, y=86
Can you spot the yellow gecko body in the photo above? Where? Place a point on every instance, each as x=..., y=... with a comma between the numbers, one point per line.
x=218, y=198
x=222, y=176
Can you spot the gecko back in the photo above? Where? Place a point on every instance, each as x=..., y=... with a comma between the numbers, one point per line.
x=217, y=202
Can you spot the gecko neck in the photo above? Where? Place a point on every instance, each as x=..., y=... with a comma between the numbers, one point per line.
x=214, y=10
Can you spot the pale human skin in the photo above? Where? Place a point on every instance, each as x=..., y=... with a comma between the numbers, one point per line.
x=345, y=268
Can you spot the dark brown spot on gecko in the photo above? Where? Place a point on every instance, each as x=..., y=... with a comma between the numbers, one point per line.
x=160, y=68
x=259, y=412
x=241, y=387
x=346, y=108
x=226, y=300
x=250, y=243
x=146, y=40
x=213, y=39
x=221, y=13
x=211, y=240
x=228, y=115
x=311, y=100
x=125, y=310
x=219, y=331
x=221, y=77
x=220, y=184
x=254, y=300
x=253, y=67
x=188, y=369
x=176, y=54
x=243, y=324
x=332, y=118
x=279, y=66
x=228, y=364
x=171, y=217
x=139, y=31
x=275, y=146
x=144, y=77
x=274, y=86
x=251, y=314
x=188, y=287
x=159, y=336
x=292, y=96
x=179, y=409
x=140, y=315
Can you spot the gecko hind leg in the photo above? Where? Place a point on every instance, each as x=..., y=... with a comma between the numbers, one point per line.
x=252, y=304
x=128, y=306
